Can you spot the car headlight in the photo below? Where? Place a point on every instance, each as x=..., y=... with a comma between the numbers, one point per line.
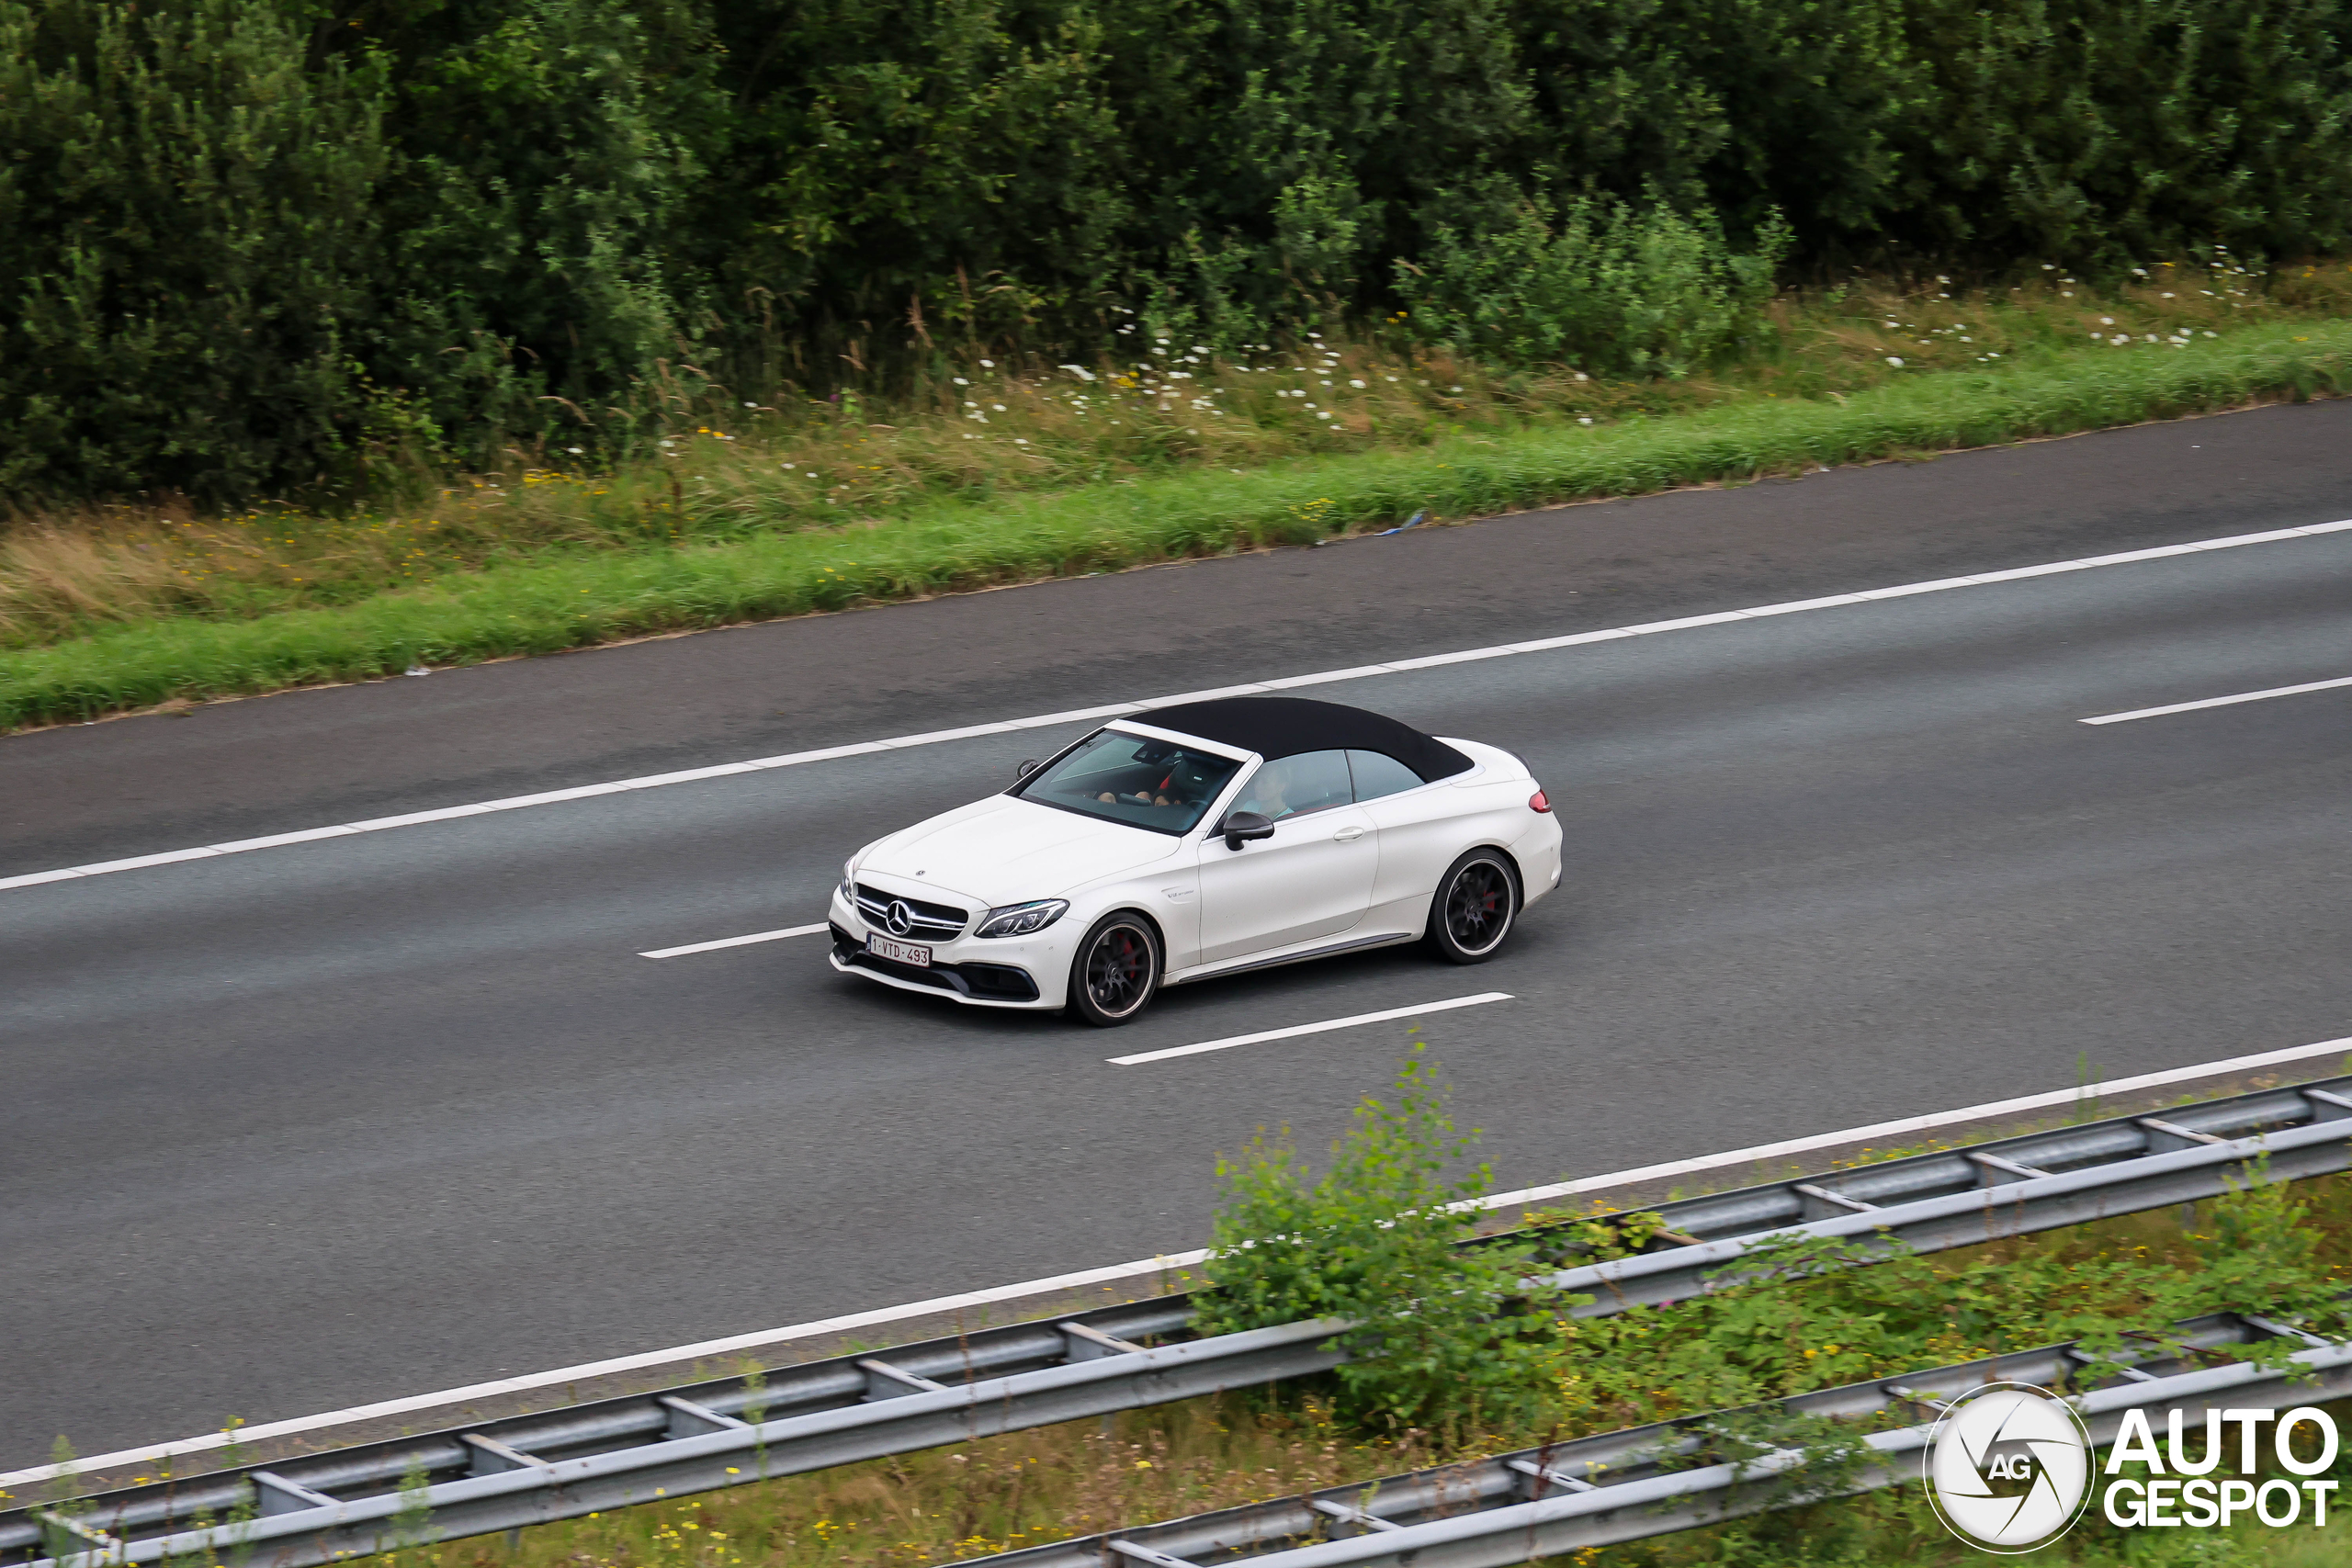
x=1020, y=920
x=849, y=882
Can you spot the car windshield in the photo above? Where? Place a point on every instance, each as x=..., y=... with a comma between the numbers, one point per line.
x=1132, y=779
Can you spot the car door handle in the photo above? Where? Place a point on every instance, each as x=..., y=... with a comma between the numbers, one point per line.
x=1347, y=835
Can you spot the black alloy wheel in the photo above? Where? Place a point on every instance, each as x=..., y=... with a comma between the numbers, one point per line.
x=1116, y=972
x=1478, y=900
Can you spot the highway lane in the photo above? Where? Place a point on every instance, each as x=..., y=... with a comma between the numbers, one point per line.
x=298, y=1128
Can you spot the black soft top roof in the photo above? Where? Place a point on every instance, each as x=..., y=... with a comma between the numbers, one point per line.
x=1285, y=727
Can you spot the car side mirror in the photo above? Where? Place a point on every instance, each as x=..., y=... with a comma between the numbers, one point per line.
x=1025, y=768
x=1244, y=825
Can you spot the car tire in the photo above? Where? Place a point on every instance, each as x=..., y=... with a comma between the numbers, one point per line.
x=1116, y=972
x=1476, y=907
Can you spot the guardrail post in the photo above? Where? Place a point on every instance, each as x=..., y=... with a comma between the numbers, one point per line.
x=491, y=1456
x=688, y=1419
x=2326, y=1106
x=278, y=1496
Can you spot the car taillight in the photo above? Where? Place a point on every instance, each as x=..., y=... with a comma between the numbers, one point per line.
x=1537, y=802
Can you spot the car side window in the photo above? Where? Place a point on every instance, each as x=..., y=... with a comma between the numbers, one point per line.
x=1378, y=773
x=1292, y=786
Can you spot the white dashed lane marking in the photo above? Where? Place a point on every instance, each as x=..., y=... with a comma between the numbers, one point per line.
x=2221, y=701
x=1140, y=1058
x=732, y=941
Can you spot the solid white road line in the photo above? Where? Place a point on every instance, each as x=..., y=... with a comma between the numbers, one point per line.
x=1914, y=1125
x=2220, y=702
x=1050, y=720
x=1145, y=1266
x=732, y=941
x=1298, y=1029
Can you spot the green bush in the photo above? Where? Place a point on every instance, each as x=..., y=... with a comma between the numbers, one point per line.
x=245, y=242
x=1443, y=1337
x=1611, y=288
x=550, y=155
x=188, y=230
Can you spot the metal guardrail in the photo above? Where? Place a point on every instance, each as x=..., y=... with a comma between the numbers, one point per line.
x=1654, y=1480
x=530, y=1468
x=504, y=1487
x=2015, y=1186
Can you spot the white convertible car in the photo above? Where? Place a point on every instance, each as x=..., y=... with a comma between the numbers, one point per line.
x=1195, y=840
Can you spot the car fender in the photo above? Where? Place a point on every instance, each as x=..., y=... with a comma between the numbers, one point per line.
x=1174, y=920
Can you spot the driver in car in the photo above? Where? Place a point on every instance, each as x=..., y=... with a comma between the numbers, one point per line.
x=1169, y=790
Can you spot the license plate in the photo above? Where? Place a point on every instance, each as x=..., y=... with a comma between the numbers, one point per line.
x=898, y=952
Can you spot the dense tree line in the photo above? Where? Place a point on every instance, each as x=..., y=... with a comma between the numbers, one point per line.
x=243, y=243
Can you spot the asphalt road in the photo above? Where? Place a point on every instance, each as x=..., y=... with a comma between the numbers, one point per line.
x=304, y=1127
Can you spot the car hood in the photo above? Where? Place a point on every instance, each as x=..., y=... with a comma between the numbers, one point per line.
x=1007, y=850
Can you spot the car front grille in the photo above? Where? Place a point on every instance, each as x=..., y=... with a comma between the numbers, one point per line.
x=932, y=922
x=991, y=982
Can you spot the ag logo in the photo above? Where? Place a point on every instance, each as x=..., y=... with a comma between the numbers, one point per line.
x=2008, y=1468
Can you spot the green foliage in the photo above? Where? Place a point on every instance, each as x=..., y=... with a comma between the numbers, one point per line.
x=249, y=243
x=1615, y=289
x=1441, y=1336
x=1807, y=1313
x=550, y=155
x=188, y=229
x=2259, y=1252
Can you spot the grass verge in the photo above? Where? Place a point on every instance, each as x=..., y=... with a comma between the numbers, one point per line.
x=776, y=562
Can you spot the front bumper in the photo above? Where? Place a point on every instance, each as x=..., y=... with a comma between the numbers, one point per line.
x=1028, y=973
